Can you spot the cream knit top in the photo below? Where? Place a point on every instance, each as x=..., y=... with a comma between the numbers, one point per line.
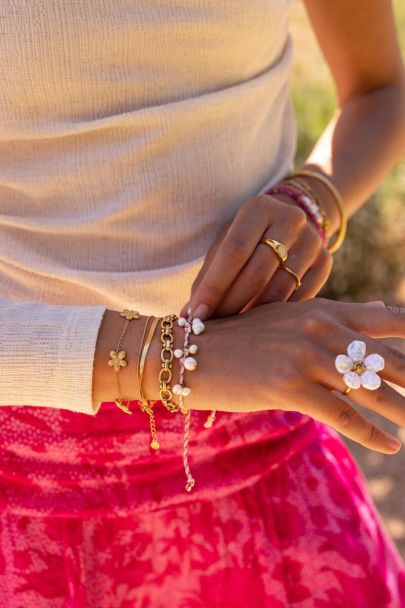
x=130, y=133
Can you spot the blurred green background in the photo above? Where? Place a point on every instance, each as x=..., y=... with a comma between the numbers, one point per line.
x=371, y=263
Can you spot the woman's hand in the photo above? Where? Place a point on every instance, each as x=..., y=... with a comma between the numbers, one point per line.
x=239, y=272
x=282, y=356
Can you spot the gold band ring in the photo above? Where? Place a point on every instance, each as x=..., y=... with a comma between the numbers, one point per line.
x=294, y=274
x=279, y=249
x=347, y=390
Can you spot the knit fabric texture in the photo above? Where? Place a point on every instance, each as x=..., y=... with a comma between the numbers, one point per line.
x=130, y=134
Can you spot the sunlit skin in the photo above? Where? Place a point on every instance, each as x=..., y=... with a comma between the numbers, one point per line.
x=280, y=352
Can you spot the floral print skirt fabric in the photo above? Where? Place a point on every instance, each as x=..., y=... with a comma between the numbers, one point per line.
x=92, y=517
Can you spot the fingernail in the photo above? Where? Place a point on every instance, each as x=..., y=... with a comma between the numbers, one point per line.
x=201, y=312
x=394, y=444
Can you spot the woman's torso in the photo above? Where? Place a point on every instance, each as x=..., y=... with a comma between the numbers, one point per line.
x=130, y=134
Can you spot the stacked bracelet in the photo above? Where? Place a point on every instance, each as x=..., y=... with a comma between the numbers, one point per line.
x=315, y=210
x=308, y=203
x=118, y=357
x=338, y=201
x=146, y=406
x=165, y=374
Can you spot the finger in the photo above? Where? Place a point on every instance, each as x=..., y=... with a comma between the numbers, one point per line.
x=258, y=270
x=385, y=400
x=301, y=258
x=237, y=247
x=203, y=270
x=315, y=278
x=338, y=413
x=373, y=320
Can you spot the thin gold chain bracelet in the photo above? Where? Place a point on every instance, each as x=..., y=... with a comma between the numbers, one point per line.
x=118, y=357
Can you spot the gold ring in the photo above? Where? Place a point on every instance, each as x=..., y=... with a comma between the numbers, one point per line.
x=347, y=390
x=279, y=249
x=294, y=274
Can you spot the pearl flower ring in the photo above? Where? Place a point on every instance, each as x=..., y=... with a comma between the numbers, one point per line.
x=359, y=370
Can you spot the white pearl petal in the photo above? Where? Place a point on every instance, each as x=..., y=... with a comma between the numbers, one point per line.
x=177, y=389
x=371, y=380
x=197, y=326
x=178, y=353
x=190, y=363
x=375, y=363
x=193, y=348
x=185, y=391
x=352, y=379
x=356, y=350
x=343, y=363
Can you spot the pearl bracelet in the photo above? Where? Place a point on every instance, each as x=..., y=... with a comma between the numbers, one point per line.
x=187, y=362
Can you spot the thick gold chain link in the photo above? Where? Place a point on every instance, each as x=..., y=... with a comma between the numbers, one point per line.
x=166, y=355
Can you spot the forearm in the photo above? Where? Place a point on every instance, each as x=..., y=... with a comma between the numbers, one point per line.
x=359, y=147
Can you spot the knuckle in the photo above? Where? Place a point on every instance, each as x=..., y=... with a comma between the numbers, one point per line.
x=372, y=434
x=297, y=216
x=397, y=359
x=275, y=295
x=315, y=321
x=379, y=395
x=346, y=415
x=234, y=248
x=262, y=200
x=211, y=293
x=256, y=274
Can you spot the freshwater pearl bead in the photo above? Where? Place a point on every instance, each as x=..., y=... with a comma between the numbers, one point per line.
x=181, y=321
x=177, y=389
x=178, y=353
x=190, y=363
x=197, y=326
x=185, y=391
x=193, y=348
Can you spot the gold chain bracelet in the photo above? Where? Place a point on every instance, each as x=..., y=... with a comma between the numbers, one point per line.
x=165, y=374
x=118, y=357
x=146, y=406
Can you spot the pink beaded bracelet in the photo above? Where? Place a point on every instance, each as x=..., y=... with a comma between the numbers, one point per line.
x=307, y=204
x=195, y=326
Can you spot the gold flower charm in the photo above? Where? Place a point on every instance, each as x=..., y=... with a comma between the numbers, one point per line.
x=117, y=359
x=130, y=315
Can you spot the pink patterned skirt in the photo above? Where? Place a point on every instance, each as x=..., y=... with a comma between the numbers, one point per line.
x=92, y=517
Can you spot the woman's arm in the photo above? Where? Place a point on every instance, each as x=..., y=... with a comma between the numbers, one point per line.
x=56, y=356
x=362, y=143
x=366, y=136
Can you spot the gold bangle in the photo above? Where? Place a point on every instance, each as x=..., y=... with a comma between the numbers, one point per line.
x=146, y=406
x=118, y=357
x=338, y=200
x=165, y=374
